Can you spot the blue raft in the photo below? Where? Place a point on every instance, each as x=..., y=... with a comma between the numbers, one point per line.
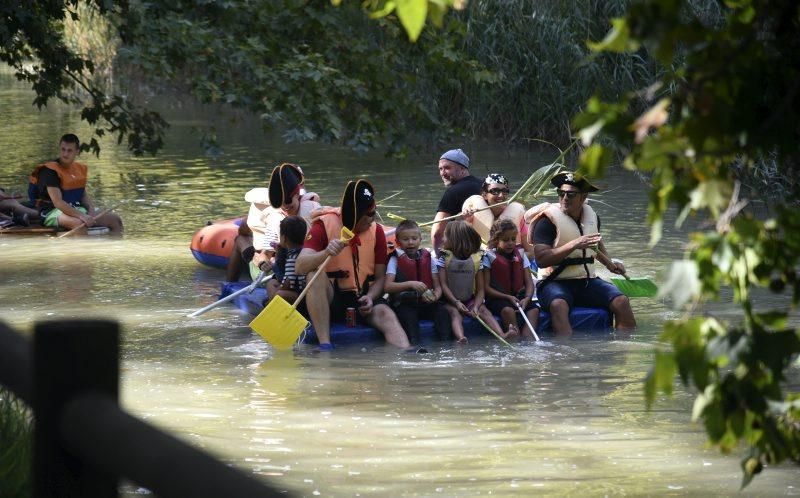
x=593, y=320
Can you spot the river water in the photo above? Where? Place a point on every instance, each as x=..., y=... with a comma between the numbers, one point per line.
x=558, y=417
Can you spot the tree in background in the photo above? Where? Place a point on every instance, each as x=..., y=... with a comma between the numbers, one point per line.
x=726, y=110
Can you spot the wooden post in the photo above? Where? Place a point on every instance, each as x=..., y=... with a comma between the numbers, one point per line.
x=71, y=358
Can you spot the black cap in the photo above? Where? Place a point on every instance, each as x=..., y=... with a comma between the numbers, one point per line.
x=358, y=198
x=575, y=179
x=284, y=181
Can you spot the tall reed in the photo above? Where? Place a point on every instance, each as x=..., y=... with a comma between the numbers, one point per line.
x=16, y=446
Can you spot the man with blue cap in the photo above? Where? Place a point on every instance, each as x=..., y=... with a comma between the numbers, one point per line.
x=454, y=171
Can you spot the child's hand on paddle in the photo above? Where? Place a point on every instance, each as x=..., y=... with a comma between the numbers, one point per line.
x=523, y=303
x=365, y=305
x=462, y=308
x=512, y=299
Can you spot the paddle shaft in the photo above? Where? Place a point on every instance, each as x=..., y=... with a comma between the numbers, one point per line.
x=82, y=224
x=527, y=322
x=487, y=327
x=250, y=288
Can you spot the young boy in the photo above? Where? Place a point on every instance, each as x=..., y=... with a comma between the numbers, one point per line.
x=287, y=283
x=412, y=281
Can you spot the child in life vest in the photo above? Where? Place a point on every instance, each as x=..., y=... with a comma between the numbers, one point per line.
x=505, y=271
x=412, y=281
x=462, y=288
x=287, y=283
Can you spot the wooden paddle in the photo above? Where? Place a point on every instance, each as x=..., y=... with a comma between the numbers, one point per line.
x=279, y=323
x=82, y=224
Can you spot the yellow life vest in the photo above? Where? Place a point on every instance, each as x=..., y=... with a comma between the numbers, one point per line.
x=567, y=230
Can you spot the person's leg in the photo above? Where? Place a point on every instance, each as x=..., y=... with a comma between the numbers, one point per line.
x=623, y=314
x=533, y=316
x=110, y=220
x=384, y=319
x=556, y=298
x=441, y=322
x=14, y=207
x=559, y=317
x=236, y=262
x=408, y=317
x=456, y=323
x=509, y=317
x=318, y=299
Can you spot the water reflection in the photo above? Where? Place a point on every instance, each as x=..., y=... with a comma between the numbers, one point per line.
x=562, y=417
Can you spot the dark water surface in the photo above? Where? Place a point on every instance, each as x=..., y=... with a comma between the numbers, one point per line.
x=559, y=417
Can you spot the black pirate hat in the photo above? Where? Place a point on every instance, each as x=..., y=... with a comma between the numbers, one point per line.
x=284, y=182
x=575, y=179
x=358, y=199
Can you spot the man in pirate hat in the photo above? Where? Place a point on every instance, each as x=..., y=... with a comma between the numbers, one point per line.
x=567, y=240
x=454, y=172
x=285, y=196
x=355, y=271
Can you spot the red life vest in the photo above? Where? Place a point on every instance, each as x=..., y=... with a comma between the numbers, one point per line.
x=72, y=181
x=414, y=269
x=506, y=273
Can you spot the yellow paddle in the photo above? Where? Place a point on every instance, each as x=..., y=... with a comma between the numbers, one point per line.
x=279, y=323
x=487, y=327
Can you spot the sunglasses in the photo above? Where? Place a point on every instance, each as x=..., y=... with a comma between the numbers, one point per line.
x=498, y=191
x=569, y=194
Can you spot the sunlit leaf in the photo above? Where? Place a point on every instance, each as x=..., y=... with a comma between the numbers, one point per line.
x=683, y=283
x=711, y=194
x=618, y=39
x=412, y=15
x=587, y=134
x=654, y=117
x=594, y=160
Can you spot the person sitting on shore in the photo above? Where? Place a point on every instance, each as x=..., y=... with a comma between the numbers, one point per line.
x=563, y=236
x=412, y=282
x=285, y=196
x=493, y=192
x=12, y=210
x=462, y=288
x=58, y=190
x=287, y=283
x=356, y=270
x=507, y=280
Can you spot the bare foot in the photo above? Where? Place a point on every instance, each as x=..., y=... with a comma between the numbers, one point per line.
x=513, y=332
x=461, y=340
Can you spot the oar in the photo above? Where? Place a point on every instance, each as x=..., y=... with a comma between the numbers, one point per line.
x=82, y=224
x=631, y=287
x=527, y=322
x=248, y=289
x=487, y=327
x=279, y=323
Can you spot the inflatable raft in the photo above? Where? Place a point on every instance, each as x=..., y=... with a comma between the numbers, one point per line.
x=592, y=320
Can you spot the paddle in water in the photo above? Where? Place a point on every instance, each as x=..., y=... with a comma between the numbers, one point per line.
x=279, y=323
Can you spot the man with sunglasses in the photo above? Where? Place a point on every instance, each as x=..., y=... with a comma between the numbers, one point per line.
x=567, y=241
x=454, y=172
x=481, y=211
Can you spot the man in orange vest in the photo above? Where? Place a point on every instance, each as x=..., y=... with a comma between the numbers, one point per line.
x=567, y=240
x=58, y=189
x=356, y=270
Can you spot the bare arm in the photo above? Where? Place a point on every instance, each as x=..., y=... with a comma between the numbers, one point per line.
x=309, y=260
x=66, y=208
x=376, y=288
x=551, y=256
x=437, y=230
x=603, y=257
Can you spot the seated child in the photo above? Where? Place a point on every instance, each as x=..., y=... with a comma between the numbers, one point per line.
x=505, y=270
x=412, y=282
x=287, y=283
x=458, y=276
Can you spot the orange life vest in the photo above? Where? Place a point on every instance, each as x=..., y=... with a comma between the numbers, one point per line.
x=355, y=265
x=72, y=181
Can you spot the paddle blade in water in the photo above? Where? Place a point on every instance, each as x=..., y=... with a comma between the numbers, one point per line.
x=636, y=287
x=279, y=324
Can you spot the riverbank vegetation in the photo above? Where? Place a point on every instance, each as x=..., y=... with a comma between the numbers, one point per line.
x=726, y=110
x=16, y=446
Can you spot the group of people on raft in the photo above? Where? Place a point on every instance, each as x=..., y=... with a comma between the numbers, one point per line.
x=57, y=195
x=290, y=233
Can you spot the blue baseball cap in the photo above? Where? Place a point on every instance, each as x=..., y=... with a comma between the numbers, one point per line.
x=457, y=156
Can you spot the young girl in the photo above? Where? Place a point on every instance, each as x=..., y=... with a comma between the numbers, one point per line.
x=458, y=276
x=505, y=272
x=412, y=281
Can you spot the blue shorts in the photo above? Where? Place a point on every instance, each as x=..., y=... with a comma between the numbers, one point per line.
x=589, y=293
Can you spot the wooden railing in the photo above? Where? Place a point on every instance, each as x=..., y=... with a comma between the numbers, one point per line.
x=84, y=443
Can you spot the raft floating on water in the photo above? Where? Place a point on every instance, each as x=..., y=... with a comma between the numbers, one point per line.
x=594, y=320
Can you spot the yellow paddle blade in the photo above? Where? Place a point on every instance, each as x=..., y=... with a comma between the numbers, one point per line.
x=393, y=216
x=346, y=234
x=279, y=324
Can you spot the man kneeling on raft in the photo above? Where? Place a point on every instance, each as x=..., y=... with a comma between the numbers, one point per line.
x=356, y=270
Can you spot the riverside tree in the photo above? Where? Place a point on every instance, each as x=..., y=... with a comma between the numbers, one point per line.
x=726, y=110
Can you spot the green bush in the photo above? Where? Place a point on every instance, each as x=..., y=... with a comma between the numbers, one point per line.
x=16, y=446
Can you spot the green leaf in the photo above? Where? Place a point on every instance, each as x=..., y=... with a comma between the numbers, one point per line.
x=412, y=15
x=594, y=160
x=617, y=40
x=683, y=283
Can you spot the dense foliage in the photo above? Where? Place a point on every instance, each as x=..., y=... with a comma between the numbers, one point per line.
x=16, y=446
x=729, y=102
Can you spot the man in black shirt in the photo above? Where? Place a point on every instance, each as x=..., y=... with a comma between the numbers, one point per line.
x=454, y=171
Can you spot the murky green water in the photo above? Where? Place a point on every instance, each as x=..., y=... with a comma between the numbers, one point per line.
x=559, y=417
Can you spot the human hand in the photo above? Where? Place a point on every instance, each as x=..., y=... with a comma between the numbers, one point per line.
x=262, y=261
x=428, y=296
x=86, y=219
x=462, y=308
x=335, y=247
x=418, y=287
x=468, y=215
x=365, y=305
x=512, y=299
x=588, y=241
x=617, y=267
x=523, y=303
